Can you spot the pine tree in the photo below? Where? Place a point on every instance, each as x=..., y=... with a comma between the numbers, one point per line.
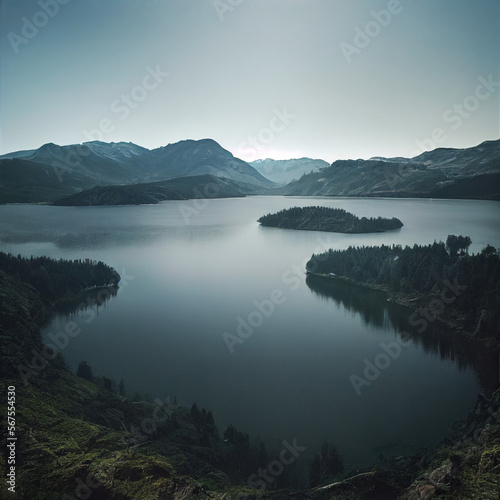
x=195, y=412
x=210, y=418
x=315, y=472
x=85, y=371
x=121, y=388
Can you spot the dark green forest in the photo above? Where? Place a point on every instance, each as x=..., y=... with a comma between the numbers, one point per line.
x=55, y=279
x=335, y=220
x=32, y=290
x=81, y=426
x=426, y=273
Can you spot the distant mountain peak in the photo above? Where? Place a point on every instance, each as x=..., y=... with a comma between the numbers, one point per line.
x=49, y=146
x=285, y=171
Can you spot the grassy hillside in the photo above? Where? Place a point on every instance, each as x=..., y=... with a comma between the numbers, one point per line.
x=23, y=181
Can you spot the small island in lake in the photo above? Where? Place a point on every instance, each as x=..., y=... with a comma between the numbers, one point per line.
x=335, y=220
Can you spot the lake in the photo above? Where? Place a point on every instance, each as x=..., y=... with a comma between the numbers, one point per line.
x=194, y=272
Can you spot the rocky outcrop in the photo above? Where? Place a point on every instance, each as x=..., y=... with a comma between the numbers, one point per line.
x=470, y=467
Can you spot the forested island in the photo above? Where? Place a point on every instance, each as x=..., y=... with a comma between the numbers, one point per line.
x=460, y=289
x=335, y=220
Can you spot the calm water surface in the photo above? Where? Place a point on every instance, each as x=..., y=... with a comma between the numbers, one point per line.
x=194, y=271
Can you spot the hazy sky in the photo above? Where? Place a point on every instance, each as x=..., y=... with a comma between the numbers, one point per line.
x=326, y=79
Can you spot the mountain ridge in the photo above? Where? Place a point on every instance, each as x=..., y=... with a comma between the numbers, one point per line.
x=179, y=188
x=438, y=173
x=51, y=171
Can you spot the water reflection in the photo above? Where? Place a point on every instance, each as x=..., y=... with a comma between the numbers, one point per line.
x=374, y=309
x=88, y=303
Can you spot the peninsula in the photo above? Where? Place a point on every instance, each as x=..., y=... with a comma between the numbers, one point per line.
x=440, y=281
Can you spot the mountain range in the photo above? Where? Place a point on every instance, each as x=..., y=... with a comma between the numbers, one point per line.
x=53, y=172
x=285, y=171
x=441, y=173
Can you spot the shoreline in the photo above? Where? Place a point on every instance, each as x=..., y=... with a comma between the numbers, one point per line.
x=414, y=302
x=278, y=195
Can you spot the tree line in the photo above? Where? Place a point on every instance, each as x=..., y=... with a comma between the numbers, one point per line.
x=240, y=456
x=58, y=278
x=422, y=269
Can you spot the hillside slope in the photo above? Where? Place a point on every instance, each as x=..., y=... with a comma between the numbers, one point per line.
x=448, y=173
x=183, y=188
x=53, y=171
